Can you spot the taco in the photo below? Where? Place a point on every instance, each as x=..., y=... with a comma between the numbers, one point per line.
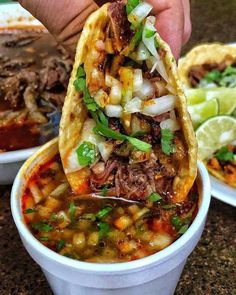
x=212, y=69
x=125, y=130
x=209, y=65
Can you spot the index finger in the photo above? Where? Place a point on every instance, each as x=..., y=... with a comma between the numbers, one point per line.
x=170, y=22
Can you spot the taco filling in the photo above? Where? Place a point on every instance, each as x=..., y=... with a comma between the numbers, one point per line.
x=125, y=131
x=223, y=164
x=213, y=75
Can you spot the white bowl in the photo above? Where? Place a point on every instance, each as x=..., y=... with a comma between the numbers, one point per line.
x=10, y=163
x=12, y=15
x=156, y=274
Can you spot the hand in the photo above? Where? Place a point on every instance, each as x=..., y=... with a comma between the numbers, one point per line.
x=65, y=19
x=173, y=22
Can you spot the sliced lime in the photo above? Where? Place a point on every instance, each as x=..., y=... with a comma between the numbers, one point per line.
x=203, y=111
x=214, y=134
x=225, y=96
x=195, y=96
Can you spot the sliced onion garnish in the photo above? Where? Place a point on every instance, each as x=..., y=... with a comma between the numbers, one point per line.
x=138, y=79
x=142, y=52
x=147, y=90
x=157, y=64
x=101, y=98
x=139, y=13
x=133, y=106
x=170, y=124
x=116, y=94
x=105, y=149
x=148, y=40
x=159, y=105
x=113, y=111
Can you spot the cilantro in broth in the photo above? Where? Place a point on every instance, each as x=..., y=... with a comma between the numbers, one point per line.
x=30, y=210
x=154, y=197
x=41, y=226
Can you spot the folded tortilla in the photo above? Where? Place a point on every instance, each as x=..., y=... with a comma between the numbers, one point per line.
x=212, y=53
x=75, y=114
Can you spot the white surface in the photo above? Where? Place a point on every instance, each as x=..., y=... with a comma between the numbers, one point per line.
x=155, y=274
x=10, y=162
x=223, y=192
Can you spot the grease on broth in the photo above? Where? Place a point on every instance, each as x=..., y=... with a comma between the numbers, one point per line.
x=101, y=230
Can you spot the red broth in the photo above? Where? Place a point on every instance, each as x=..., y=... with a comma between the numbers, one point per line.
x=100, y=230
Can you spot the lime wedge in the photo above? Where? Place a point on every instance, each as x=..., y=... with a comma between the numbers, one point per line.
x=203, y=111
x=195, y=96
x=225, y=96
x=214, y=134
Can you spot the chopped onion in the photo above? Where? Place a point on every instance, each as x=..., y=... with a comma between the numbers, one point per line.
x=139, y=13
x=157, y=64
x=101, y=98
x=147, y=90
x=170, y=124
x=142, y=52
x=138, y=79
x=110, y=81
x=139, y=125
x=113, y=110
x=116, y=94
x=159, y=105
x=105, y=149
x=133, y=106
x=160, y=87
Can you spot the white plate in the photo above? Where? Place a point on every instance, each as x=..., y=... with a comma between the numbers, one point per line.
x=223, y=192
x=12, y=15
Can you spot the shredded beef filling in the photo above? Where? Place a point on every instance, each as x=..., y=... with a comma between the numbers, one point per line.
x=135, y=177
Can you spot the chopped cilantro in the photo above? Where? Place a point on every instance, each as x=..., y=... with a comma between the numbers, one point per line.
x=30, y=210
x=88, y=216
x=44, y=239
x=169, y=206
x=227, y=78
x=104, y=190
x=71, y=211
x=149, y=33
x=104, y=212
x=131, y=4
x=41, y=226
x=183, y=229
x=224, y=155
x=86, y=153
x=80, y=72
x=60, y=245
x=154, y=197
x=177, y=222
x=80, y=86
x=104, y=229
x=53, y=217
x=167, y=144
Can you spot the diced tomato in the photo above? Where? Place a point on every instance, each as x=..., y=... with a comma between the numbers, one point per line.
x=159, y=225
